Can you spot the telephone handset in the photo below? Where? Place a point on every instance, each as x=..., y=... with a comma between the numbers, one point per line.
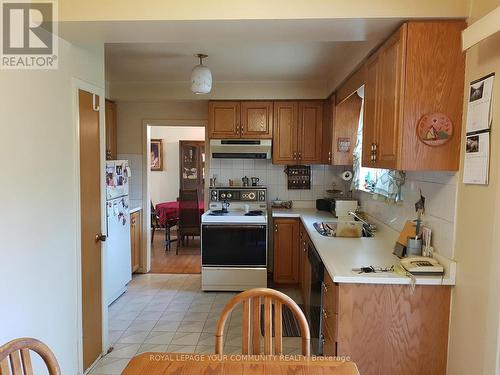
x=422, y=266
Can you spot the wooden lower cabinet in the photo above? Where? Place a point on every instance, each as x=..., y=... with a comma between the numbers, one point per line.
x=135, y=239
x=387, y=329
x=286, y=251
x=305, y=268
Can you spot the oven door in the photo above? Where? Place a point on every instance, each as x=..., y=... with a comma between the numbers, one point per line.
x=234, y=245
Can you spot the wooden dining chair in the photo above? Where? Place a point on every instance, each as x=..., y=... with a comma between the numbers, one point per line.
x=251, y=300
x=15, y=357
x=189, y=216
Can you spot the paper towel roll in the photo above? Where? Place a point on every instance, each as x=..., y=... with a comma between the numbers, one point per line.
x=346, y=175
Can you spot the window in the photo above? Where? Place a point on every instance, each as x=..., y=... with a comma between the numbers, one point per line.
x=384, y=182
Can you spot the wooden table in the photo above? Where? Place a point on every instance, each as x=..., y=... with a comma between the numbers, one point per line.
x=179, y=363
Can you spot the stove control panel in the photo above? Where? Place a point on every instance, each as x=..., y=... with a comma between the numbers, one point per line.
x=238, y=194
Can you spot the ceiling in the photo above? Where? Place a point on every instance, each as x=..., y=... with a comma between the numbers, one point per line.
x=248, y=51
x=145, y=62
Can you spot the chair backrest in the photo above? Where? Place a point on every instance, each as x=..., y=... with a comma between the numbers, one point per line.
x=189, y=211
x=15, y=357
x=251, y=300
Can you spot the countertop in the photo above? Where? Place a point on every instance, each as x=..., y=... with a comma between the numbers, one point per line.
x=135, y=209
x=341, y=255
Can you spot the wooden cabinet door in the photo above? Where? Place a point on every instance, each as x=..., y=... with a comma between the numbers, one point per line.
x=286, y=251
x=391, y=94
x=135, y=239
x=257, y=120
x=328, y=131
x=224, y=119
x=370, y=111
x=111, y=143
x=346, y=132
x=310, y=128
x=285, y=133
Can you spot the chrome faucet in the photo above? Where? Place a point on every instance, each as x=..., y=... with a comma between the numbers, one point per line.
x=369, y=227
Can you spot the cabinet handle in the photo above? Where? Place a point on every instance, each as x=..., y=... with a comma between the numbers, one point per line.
x=325, y=287
x=294, y=155
x=375, y=152
x=300, y=155
x=241, y=129
x=329, y=156
x=276, y=228
x=325, y=315
x=323, y=341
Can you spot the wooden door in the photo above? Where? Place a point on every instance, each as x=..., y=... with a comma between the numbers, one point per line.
x=310, y=128
x=286, y=251
x=135, y=239
x=90, y=204
x=285, y=148
x=257, y=120
x=192, y=165
x=224, y=120
x=392, y=70
x=111, y=147
x=370, y=111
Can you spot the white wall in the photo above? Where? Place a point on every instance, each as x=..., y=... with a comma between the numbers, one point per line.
x=38, y=249
x=164, y=185
x=130, y=117
x=440, y=192
x=475, y=314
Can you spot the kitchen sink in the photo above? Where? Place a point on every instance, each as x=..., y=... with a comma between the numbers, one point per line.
x=329, y=229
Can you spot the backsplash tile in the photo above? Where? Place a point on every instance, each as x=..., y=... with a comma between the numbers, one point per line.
x=273, y=176
x=440, y=192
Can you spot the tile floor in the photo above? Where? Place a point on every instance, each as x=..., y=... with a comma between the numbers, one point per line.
x=170, y=313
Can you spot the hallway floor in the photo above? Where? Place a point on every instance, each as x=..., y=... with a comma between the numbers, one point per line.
x=170, y=313
x=188, y=260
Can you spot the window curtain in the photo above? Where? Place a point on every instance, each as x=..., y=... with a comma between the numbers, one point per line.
x=385, y=183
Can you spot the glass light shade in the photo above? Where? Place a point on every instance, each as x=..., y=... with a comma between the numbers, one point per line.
x=201, y=80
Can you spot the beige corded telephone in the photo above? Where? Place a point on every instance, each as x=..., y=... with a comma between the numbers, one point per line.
x=422, y=266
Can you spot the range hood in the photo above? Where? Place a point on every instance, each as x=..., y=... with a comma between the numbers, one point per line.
x=240, y=148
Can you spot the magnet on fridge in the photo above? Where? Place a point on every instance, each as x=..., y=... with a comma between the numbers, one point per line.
x=128, y=172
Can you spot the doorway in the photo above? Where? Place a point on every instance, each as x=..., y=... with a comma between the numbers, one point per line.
x=182, y=166
x=90, y=226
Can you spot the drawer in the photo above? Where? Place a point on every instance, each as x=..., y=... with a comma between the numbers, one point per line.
x=330, y=295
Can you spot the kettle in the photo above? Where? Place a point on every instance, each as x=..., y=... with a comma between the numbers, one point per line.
x=255, y=181
x=245, y=181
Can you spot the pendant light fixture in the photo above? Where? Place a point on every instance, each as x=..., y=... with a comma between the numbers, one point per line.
x=201, y=77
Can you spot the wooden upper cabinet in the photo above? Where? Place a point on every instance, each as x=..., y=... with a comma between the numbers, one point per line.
x=370, y=110
x=111, y=142
x=234, y=119
x=224, y=119
x=310, y=127
x=285, y=133
x=297, y=137
x=418, y=71
x=346, y=129
x=327, y=133
x=286, y=251
x=257, y=120
x=392, y=67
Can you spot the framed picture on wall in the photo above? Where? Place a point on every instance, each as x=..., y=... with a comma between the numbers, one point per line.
x=156, y=155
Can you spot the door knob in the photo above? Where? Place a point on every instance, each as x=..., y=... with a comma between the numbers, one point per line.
x=100, y=237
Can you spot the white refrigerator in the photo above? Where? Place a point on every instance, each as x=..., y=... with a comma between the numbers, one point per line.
x=118, y=269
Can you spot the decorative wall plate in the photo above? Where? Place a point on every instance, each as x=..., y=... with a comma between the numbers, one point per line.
x=434, y=129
